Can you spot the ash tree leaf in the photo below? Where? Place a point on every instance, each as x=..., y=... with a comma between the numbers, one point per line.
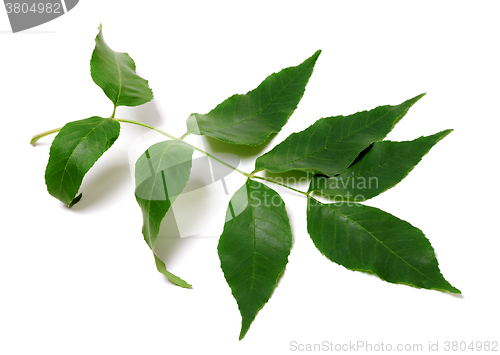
x=331, y=144
x=254, y=247
x=368, y=239
x=384, y=165
x=161, y=173
x=115, y=74
x=74, y=151
x=250, y=119
x=176, y=280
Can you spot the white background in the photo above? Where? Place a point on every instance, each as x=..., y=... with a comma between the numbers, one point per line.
x=82, y=280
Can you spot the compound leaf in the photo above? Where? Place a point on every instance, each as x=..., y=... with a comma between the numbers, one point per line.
x=384, y=165
x=254, y=247
x=250, y=119
x=114, y=73
x=331, y=144
x=161, y=173
x=368, y=239
x=74, y=151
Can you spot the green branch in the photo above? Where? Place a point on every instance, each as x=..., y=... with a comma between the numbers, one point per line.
x=251, y=176
x=38, y=136
x=279, y=183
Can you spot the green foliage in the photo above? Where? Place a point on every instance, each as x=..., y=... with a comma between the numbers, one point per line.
x=367, y=239
x=254, y=247
x=176, y=280
x=384, y=165
x=250, y=119
x=347, y=153
x=74, y=151
x=114, y=73
x=161, y=173
x=330, y=144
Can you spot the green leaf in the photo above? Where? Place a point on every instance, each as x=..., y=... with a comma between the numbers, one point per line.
x=331, y=144
x=368, y=239
x=161, y=173
x=250, y=119
x=176, y=280
x=254, y=247
x=384, y=165
x=74, y=151
x=114, y=73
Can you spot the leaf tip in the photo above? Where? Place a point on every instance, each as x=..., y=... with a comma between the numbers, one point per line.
x=75, y=200
x=446, y=132
x=244, y=330
x=452, y=289
x=416, y=98
x=100, y=27
x=315, y=56
x=442, y=134
x=407, y=105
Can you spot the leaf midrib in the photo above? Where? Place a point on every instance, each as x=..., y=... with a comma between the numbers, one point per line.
x=73, y=152
x=249, y=195
x=151, y=193
x=334, y=143
x=378, y=240
x=262, y=108
x=363, y=172
x=119, y=78
x=391, y=160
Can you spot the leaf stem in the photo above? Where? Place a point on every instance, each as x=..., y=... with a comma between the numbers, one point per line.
x=279, y=183
x=255, y=172
x=114, y=111
x=220, y=161
x=250, y=176
x=175, y=138
x=38, y=136
x=147, y=126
